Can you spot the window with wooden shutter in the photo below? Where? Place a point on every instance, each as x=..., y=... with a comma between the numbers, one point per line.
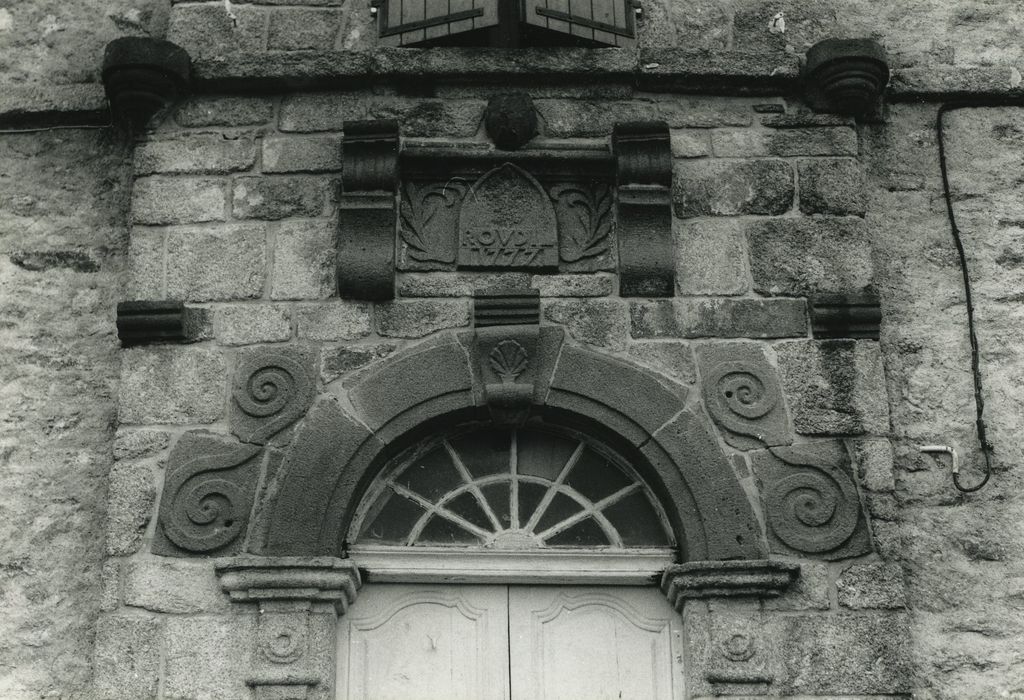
x=506, y=23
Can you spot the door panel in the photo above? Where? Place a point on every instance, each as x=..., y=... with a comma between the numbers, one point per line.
x=617, y=643
x=422, y=642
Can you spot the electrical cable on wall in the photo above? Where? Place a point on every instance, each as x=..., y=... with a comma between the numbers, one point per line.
x=979, y=399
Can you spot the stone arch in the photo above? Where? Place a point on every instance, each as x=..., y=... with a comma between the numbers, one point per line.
x=310, y=499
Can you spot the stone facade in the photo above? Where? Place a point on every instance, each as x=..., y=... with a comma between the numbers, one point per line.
x=230, y=203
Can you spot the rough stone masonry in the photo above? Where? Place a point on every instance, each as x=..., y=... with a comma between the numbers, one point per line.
x=230, y=203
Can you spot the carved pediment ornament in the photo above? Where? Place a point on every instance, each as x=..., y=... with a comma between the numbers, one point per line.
x=455, y=206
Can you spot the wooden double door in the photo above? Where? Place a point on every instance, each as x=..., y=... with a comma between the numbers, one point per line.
x=488, y=642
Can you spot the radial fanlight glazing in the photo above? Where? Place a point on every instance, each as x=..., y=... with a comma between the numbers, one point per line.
x=511, y=490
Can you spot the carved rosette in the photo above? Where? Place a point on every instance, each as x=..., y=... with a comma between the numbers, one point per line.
x=811, y=501
x=743, y=395
x=207, y=495
x=272, y=390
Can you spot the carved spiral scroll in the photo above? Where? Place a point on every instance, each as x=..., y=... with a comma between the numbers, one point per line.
x=274, y=387
x=813, y=511
x=203, y=511
x=742, y=389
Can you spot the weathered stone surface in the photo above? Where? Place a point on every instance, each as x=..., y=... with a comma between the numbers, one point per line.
x=874, y=462
x=167, y=200
x=690, y=143
x=130, y=498
x=846, y=654
x=208, y=656
x=726, y=318
x=210, y=30
x=164, y=585
x=810, y=591
x=61, y=191
x=821, y=141
x=566, y=118
x=742, y=394
x=427, y=117
x=134, y=444
x=276, y=198
x=811, y=256
x=834, y=387
x=302, y=154
x=214, y=154
x=416, y=319
x=670, y=357
x=127, y=657
x=145, y=264
x=338, y=361
x=461, y=284
x=302, y=29
x=832, y=186
x=272, y=388
x=203, y=110
x=244, y=324
x=338, y=320
x=811, y=502
x=166, y=384
x=304, y=260
x=214, y=264
x=573, y=285
x=602, y=323
x=871, y=586
x=730, y=187
x=712, y=257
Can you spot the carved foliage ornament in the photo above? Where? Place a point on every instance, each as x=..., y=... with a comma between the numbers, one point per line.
x=272, y=390
x=207, y=494
x=811, y=501
x=428, y=216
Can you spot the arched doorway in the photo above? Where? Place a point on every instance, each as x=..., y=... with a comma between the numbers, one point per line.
x=507, y=562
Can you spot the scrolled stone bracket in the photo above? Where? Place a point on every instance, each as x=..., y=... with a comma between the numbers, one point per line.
x=367, y=210
x=299, y=600
x=727, y=579
x=643, y=160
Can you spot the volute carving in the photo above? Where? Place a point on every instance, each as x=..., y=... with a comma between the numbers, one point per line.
x=742, y=393
x=207, y=495
x=811, y=501
x=272, y=390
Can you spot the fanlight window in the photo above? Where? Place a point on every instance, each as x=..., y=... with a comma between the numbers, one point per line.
x=524, y=489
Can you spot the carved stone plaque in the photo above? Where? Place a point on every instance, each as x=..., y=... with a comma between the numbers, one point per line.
x=507, y=221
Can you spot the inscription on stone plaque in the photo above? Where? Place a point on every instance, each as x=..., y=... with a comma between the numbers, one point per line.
x=507, y=221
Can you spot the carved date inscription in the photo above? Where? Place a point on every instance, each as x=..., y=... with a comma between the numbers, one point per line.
x=507, y=221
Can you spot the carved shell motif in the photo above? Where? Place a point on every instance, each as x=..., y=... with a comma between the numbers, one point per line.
x=509, y=359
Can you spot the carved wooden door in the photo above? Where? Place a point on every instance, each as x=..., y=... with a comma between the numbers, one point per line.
x=427, y=642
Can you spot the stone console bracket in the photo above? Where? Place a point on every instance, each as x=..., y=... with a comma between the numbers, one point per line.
x=417, y=207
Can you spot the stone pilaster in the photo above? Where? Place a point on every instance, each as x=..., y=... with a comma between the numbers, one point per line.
x=299, y=601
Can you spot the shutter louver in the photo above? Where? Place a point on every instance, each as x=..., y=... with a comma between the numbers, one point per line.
x=514, y=23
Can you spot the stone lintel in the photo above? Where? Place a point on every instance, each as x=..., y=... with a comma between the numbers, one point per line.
x=727, y=579
x=315, y=579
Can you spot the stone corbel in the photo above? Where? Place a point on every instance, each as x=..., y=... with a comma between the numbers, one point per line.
x=643, y=157
x=367, y=214
x=299, y=601
x=727, y=579
x=507, y=330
